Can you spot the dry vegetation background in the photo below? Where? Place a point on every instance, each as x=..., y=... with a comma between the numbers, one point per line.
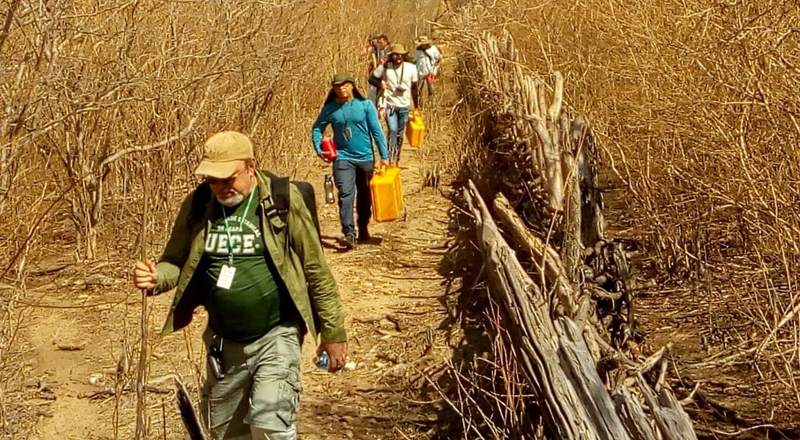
x=106, y=102
x=694, y=104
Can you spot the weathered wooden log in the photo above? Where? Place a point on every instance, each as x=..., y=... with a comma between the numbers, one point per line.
x=572, y=243
x=554, y=355
x=671, y=419
x=584, y=146
x=545, y=356
x=544, y=256
x=632, y=415
x=579, y=365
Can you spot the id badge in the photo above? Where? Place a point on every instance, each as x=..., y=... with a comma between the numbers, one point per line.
x=348, y=134
x=225, y=279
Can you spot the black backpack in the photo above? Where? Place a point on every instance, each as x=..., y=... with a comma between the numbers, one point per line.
x=280, y=198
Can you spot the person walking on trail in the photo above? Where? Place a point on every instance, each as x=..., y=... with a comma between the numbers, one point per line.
x=383, y=45
x=355, y=127
x=373, y=54
x=398, y=80
x=376, y=56
x=427, y=59
x=374, y=51
x=264, y=283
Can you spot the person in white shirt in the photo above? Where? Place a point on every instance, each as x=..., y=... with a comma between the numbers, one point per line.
x=427, y=59
x=398, y=79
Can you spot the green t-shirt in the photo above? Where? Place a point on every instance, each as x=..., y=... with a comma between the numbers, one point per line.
x=255, y=301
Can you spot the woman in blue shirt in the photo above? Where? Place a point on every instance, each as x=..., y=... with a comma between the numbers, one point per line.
x=355, y=127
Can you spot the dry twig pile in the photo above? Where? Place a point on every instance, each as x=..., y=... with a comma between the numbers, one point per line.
x=549, y=312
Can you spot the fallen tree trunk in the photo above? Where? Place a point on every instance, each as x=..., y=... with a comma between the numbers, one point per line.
x=546, y=258
x=571, y=415
x=554, y=356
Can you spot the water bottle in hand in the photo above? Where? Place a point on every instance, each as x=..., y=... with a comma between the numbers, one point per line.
x=323, y=361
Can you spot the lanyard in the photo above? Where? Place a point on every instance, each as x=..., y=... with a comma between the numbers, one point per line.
x=402, y=71
x=348, y=133
x=241, y=222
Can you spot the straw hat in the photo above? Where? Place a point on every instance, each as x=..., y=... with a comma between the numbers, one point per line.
x=398, y=49
x=423, y=40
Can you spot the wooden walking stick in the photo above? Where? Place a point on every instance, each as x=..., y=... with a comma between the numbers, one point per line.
x=141, y=370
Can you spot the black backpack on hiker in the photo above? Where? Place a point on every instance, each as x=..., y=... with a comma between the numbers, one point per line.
x=280, y=198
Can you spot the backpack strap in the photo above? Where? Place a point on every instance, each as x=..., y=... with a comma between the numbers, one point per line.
x=200, y=199
x=280, y=200
x=280, y=196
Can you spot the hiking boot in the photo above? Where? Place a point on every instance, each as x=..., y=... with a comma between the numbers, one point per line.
x=348, y=241
x=363, y=235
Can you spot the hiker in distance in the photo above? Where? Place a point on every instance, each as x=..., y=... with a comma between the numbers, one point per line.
x=398, y=80
x=427, y=59
x=260, y=273
x=376, y=55
x=355, y=127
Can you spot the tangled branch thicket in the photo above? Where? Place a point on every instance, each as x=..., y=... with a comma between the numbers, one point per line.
x=694, y=106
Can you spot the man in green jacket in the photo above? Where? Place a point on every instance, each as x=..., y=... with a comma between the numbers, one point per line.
x=263, y=282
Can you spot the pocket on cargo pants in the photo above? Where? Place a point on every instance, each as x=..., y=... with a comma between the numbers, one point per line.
x=275, y=396
x=225, y=403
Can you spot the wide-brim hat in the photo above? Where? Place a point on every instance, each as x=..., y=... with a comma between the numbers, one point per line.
x=222, y=153
x=398, y=49
x=423, y=40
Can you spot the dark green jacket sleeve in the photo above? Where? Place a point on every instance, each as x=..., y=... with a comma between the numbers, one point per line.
x=176, y=251
x=321, y=285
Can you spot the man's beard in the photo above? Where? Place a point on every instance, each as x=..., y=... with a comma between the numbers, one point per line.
x=232, y=201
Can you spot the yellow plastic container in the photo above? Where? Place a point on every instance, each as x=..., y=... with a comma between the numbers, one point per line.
x=415, y=130
x=387, y=194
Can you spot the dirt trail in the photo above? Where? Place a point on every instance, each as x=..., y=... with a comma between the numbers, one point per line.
x=392, y=293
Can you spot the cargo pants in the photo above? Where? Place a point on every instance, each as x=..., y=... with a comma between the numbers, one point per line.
x=259, y=396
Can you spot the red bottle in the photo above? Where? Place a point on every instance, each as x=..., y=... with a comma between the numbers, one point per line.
x=328, y=149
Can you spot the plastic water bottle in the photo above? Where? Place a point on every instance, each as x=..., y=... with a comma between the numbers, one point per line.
x=323, y=361
x=329, y=198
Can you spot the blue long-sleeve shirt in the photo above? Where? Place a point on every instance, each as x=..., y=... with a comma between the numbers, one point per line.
x=362, y=118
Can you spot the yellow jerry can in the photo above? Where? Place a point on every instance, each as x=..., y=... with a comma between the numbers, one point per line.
x=415, y=130
x=387, y=194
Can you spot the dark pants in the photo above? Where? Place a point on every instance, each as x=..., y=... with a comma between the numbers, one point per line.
x=352, y=180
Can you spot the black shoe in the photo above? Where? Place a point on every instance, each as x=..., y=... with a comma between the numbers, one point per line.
x=363, y=235
x=348, y=241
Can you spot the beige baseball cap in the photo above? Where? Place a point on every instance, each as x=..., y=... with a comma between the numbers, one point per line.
x=222, y=153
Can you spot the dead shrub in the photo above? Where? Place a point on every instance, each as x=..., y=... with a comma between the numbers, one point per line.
x=695, y=108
